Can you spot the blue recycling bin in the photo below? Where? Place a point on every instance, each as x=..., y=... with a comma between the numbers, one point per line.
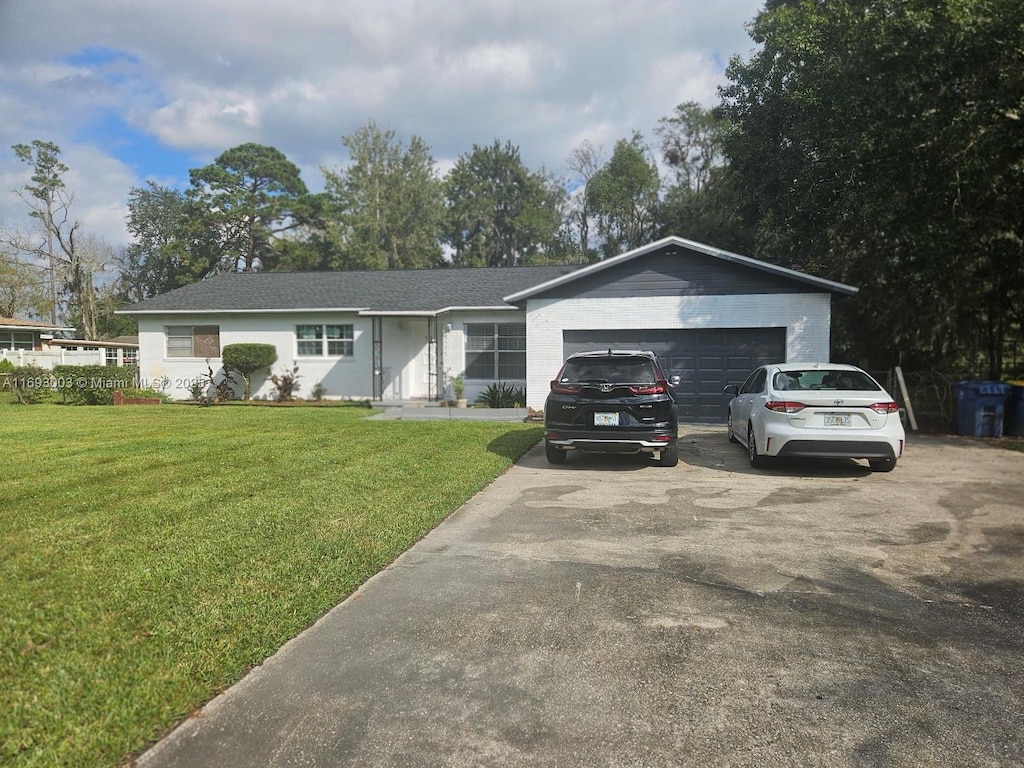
x=980, y=407
x=1013, y=424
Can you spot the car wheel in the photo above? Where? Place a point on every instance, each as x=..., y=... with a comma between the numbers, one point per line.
x=555, y=455
x=732, y=434
x=669, y=455
x=882, y=465
x=757, y=461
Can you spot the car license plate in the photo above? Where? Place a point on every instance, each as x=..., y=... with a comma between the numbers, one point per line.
x=606, y=419
x=837, y=420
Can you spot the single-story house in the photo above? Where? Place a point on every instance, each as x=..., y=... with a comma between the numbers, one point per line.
x=21, y=340
x=120, y=350
x=27, y=334
x=711, y=316
x=27, y=342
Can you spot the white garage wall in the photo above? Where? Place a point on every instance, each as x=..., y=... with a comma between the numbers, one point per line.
x=806, y=316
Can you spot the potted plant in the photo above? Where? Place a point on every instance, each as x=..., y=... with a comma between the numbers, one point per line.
x=459, y=390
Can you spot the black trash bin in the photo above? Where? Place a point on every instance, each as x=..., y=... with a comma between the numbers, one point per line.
x=980, y=407
x=1013, y=424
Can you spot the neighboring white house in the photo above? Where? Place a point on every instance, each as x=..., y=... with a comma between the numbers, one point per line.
x=26, y=342
x=710, y=315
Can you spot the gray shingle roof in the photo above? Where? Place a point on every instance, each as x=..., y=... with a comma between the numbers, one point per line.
x=419, y=290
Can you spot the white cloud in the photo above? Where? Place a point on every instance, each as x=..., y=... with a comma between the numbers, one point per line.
x=201, y=76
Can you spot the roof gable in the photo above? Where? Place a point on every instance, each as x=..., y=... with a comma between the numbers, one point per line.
x=674, y=266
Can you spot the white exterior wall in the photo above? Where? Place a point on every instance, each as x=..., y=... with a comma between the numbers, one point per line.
x=807, y=318
x=341, y=377
x=452, y=334
x=405, y=355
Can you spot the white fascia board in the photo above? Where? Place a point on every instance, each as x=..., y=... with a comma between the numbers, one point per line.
x=498, y=308
x=397, y=313
x=435, y=312
x=296, y=310
x=35, y=328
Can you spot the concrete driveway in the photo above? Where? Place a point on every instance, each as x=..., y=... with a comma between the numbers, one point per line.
x=612, y=613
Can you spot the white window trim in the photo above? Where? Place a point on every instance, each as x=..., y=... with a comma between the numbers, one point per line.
x=325, y=342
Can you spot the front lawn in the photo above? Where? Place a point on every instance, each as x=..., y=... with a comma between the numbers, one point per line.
x=151, y=555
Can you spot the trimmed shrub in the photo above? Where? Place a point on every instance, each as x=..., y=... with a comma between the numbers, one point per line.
x=247, y=359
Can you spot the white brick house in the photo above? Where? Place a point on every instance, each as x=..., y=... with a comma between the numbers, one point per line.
x=710, y=315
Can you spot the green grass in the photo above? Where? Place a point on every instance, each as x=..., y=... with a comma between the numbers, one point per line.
x=152, y=555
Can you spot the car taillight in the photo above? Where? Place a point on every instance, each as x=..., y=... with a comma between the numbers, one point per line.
x=784, y=406
x=649, y=389
x=564, y=389
x=885, y=408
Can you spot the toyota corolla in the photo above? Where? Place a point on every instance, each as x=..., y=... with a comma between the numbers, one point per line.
x=820, y=410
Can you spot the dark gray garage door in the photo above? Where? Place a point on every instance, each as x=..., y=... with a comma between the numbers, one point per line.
x=706, y=360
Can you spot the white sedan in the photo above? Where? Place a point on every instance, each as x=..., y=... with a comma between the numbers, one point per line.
x=821, y=410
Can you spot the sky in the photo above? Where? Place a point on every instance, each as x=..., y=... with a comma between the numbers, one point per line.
x=143, y=90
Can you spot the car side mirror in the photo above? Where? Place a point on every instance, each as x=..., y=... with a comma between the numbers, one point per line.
x=674, y=379
x=732, y=389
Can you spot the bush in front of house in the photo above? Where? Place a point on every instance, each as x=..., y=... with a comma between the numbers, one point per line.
x=92, y=384
x=30, y=384
x=286, y=385
x=247, y=359
x=502, y=396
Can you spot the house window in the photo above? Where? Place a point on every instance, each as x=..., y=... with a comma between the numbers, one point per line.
x=17, y=340
x=325, y=340
x=193, y=341
x=111, y=356
x=131, y=356
x=495, y=351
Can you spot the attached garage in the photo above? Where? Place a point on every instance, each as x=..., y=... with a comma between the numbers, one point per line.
x=710, y=315
x=706, y=360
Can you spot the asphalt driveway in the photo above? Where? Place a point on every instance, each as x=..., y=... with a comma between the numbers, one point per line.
x=612, y=613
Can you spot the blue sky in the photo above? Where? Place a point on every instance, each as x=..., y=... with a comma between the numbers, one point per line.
x=138, y=91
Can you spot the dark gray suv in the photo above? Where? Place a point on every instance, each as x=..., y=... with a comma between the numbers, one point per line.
x=614, y=401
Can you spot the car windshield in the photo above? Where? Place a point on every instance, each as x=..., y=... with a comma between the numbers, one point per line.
x=824, y=378
x=608, y=371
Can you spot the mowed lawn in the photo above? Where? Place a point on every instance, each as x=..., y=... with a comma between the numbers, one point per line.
x=152, y=555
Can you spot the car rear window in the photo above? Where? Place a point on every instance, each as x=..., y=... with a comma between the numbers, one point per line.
x=608, y=371
x=823, y=378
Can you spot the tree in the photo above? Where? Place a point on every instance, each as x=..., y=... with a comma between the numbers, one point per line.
x=584, y=162
x=623, y=196
x=701, y=203
x=388, y=202
x=175, y=242
x=691, y=145
x=879, y=143
x=69, y=266
x=251, y=195
x=247, y=359
x=498, y=212
x=24, y=290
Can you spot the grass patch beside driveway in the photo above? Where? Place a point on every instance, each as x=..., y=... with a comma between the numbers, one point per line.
x=153, y=555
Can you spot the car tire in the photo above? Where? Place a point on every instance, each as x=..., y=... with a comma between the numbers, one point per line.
x=669, y=455
x=882, y=465
x=732, y=434
x=757, y=461
x=555, y=455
